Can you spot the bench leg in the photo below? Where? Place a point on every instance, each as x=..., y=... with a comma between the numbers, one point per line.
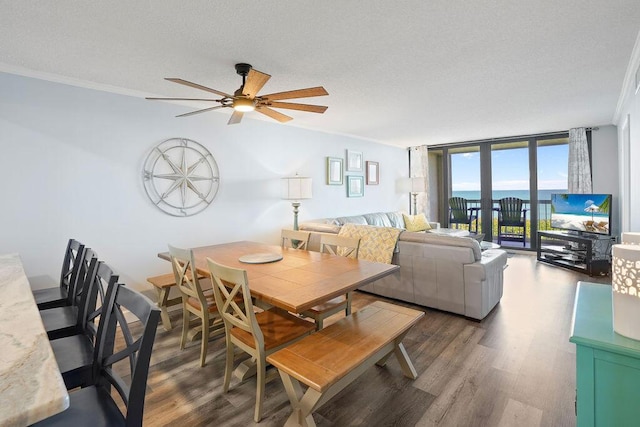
x=163, y=297
x=302, y=405
x=408, y=369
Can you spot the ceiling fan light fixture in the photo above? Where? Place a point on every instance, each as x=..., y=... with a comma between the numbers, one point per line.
x=244, y=104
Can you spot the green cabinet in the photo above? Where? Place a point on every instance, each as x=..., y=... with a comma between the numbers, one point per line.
x=608, y=364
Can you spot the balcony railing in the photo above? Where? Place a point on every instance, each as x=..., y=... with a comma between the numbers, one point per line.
x=544, y=216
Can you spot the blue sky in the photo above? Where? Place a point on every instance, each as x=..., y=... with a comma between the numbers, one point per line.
x=510, y=169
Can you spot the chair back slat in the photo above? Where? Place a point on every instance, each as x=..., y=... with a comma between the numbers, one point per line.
x=511, y=210
x=229, y=282
x=73, y=256
x=459, y=211
x=295, y=239
x=184, y=270
x=339, y=245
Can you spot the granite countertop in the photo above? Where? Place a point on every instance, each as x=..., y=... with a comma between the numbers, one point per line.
x=31, y=387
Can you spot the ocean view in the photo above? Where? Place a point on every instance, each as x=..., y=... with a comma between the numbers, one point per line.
x=544, y=209
x=499, y=194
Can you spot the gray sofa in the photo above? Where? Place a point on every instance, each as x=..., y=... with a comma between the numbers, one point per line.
x=441, y=271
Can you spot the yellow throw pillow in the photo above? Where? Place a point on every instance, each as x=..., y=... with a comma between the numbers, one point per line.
x=416, y=222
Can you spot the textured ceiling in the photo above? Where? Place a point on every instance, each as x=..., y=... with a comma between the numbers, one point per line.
x=398, y=72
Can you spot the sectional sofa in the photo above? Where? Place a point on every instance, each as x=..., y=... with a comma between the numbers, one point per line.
x=441, y=271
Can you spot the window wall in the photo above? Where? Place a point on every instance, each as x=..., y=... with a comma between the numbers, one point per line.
x=530, y=168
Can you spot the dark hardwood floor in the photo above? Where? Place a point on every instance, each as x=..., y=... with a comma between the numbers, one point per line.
x=515, y=368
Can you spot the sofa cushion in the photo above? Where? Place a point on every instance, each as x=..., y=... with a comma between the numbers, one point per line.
x=379, y=219
x=396, y=219
x=356, y=219
x=416, y=222
x=376, y=243
x=441, y=239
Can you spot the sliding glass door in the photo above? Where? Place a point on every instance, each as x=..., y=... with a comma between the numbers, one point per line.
x=530, y=168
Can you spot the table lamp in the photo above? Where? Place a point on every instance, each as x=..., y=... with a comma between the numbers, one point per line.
x=296, y=188
x=631, y=238
x=418, y=185
x=625, y=287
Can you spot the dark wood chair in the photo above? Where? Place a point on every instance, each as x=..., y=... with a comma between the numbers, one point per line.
x=76, y=354
x=65, y=321
x=512, y=220
x=60, y=296
x=460, y=213
x=95, y=405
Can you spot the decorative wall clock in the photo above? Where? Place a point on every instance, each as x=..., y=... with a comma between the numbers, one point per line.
x=181, y=177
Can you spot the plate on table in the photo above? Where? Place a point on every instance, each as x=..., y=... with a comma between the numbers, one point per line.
x=260, y=258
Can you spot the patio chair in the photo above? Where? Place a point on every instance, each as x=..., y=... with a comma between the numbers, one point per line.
x=512, y=220
x=460, y=213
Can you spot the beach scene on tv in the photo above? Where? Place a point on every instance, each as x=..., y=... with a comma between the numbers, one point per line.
x=581, y=212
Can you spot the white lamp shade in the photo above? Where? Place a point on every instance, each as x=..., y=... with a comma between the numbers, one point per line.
x=296, y=188
x=418, y=185
x=625, y=287
x=632, y=238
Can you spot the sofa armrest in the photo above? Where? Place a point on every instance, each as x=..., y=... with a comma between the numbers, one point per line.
x=483, y=283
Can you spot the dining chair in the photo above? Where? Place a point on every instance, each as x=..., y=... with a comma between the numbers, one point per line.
x=334, y=245
x=295, y=239
x=195, y=302
x=258, y=334
x=511, y=217
x=61, y=295
x=460, y=213
x=65, y=321
x=96, y=405
x=76, y=354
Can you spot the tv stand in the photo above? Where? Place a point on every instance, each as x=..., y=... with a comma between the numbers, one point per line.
x=586, y=253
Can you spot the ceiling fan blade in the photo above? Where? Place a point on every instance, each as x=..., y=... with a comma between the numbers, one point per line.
x=235, y=117
x=201, y=111
x=273, y=114
x=182, y=99
x=197, y=86
x=302, y=107
x=255, y=81
x=299, y=93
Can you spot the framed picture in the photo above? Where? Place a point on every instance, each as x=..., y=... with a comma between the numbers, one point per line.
x=373, y=173
x=354, y=161
x=355, y=186
x=334, y=171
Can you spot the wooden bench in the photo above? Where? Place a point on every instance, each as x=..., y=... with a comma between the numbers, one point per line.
x=329, y=360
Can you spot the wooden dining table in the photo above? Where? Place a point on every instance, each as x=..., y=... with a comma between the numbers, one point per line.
x=31, y=387
x=298, y=281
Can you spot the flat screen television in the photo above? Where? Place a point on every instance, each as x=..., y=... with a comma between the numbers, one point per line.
x=586, y=213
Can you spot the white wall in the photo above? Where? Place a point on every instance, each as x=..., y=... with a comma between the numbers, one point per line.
x=627, y=119
x=71, y=162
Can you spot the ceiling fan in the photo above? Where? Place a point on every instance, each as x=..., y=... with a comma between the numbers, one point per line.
x=246, y=97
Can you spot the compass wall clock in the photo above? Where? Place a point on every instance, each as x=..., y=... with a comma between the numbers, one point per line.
x=181, y=177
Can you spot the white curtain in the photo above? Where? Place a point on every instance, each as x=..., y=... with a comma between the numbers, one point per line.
x=419, y=167
x=579, y=167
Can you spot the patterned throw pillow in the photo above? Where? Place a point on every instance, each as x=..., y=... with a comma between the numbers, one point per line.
x=416, y=222
x=376, y=243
